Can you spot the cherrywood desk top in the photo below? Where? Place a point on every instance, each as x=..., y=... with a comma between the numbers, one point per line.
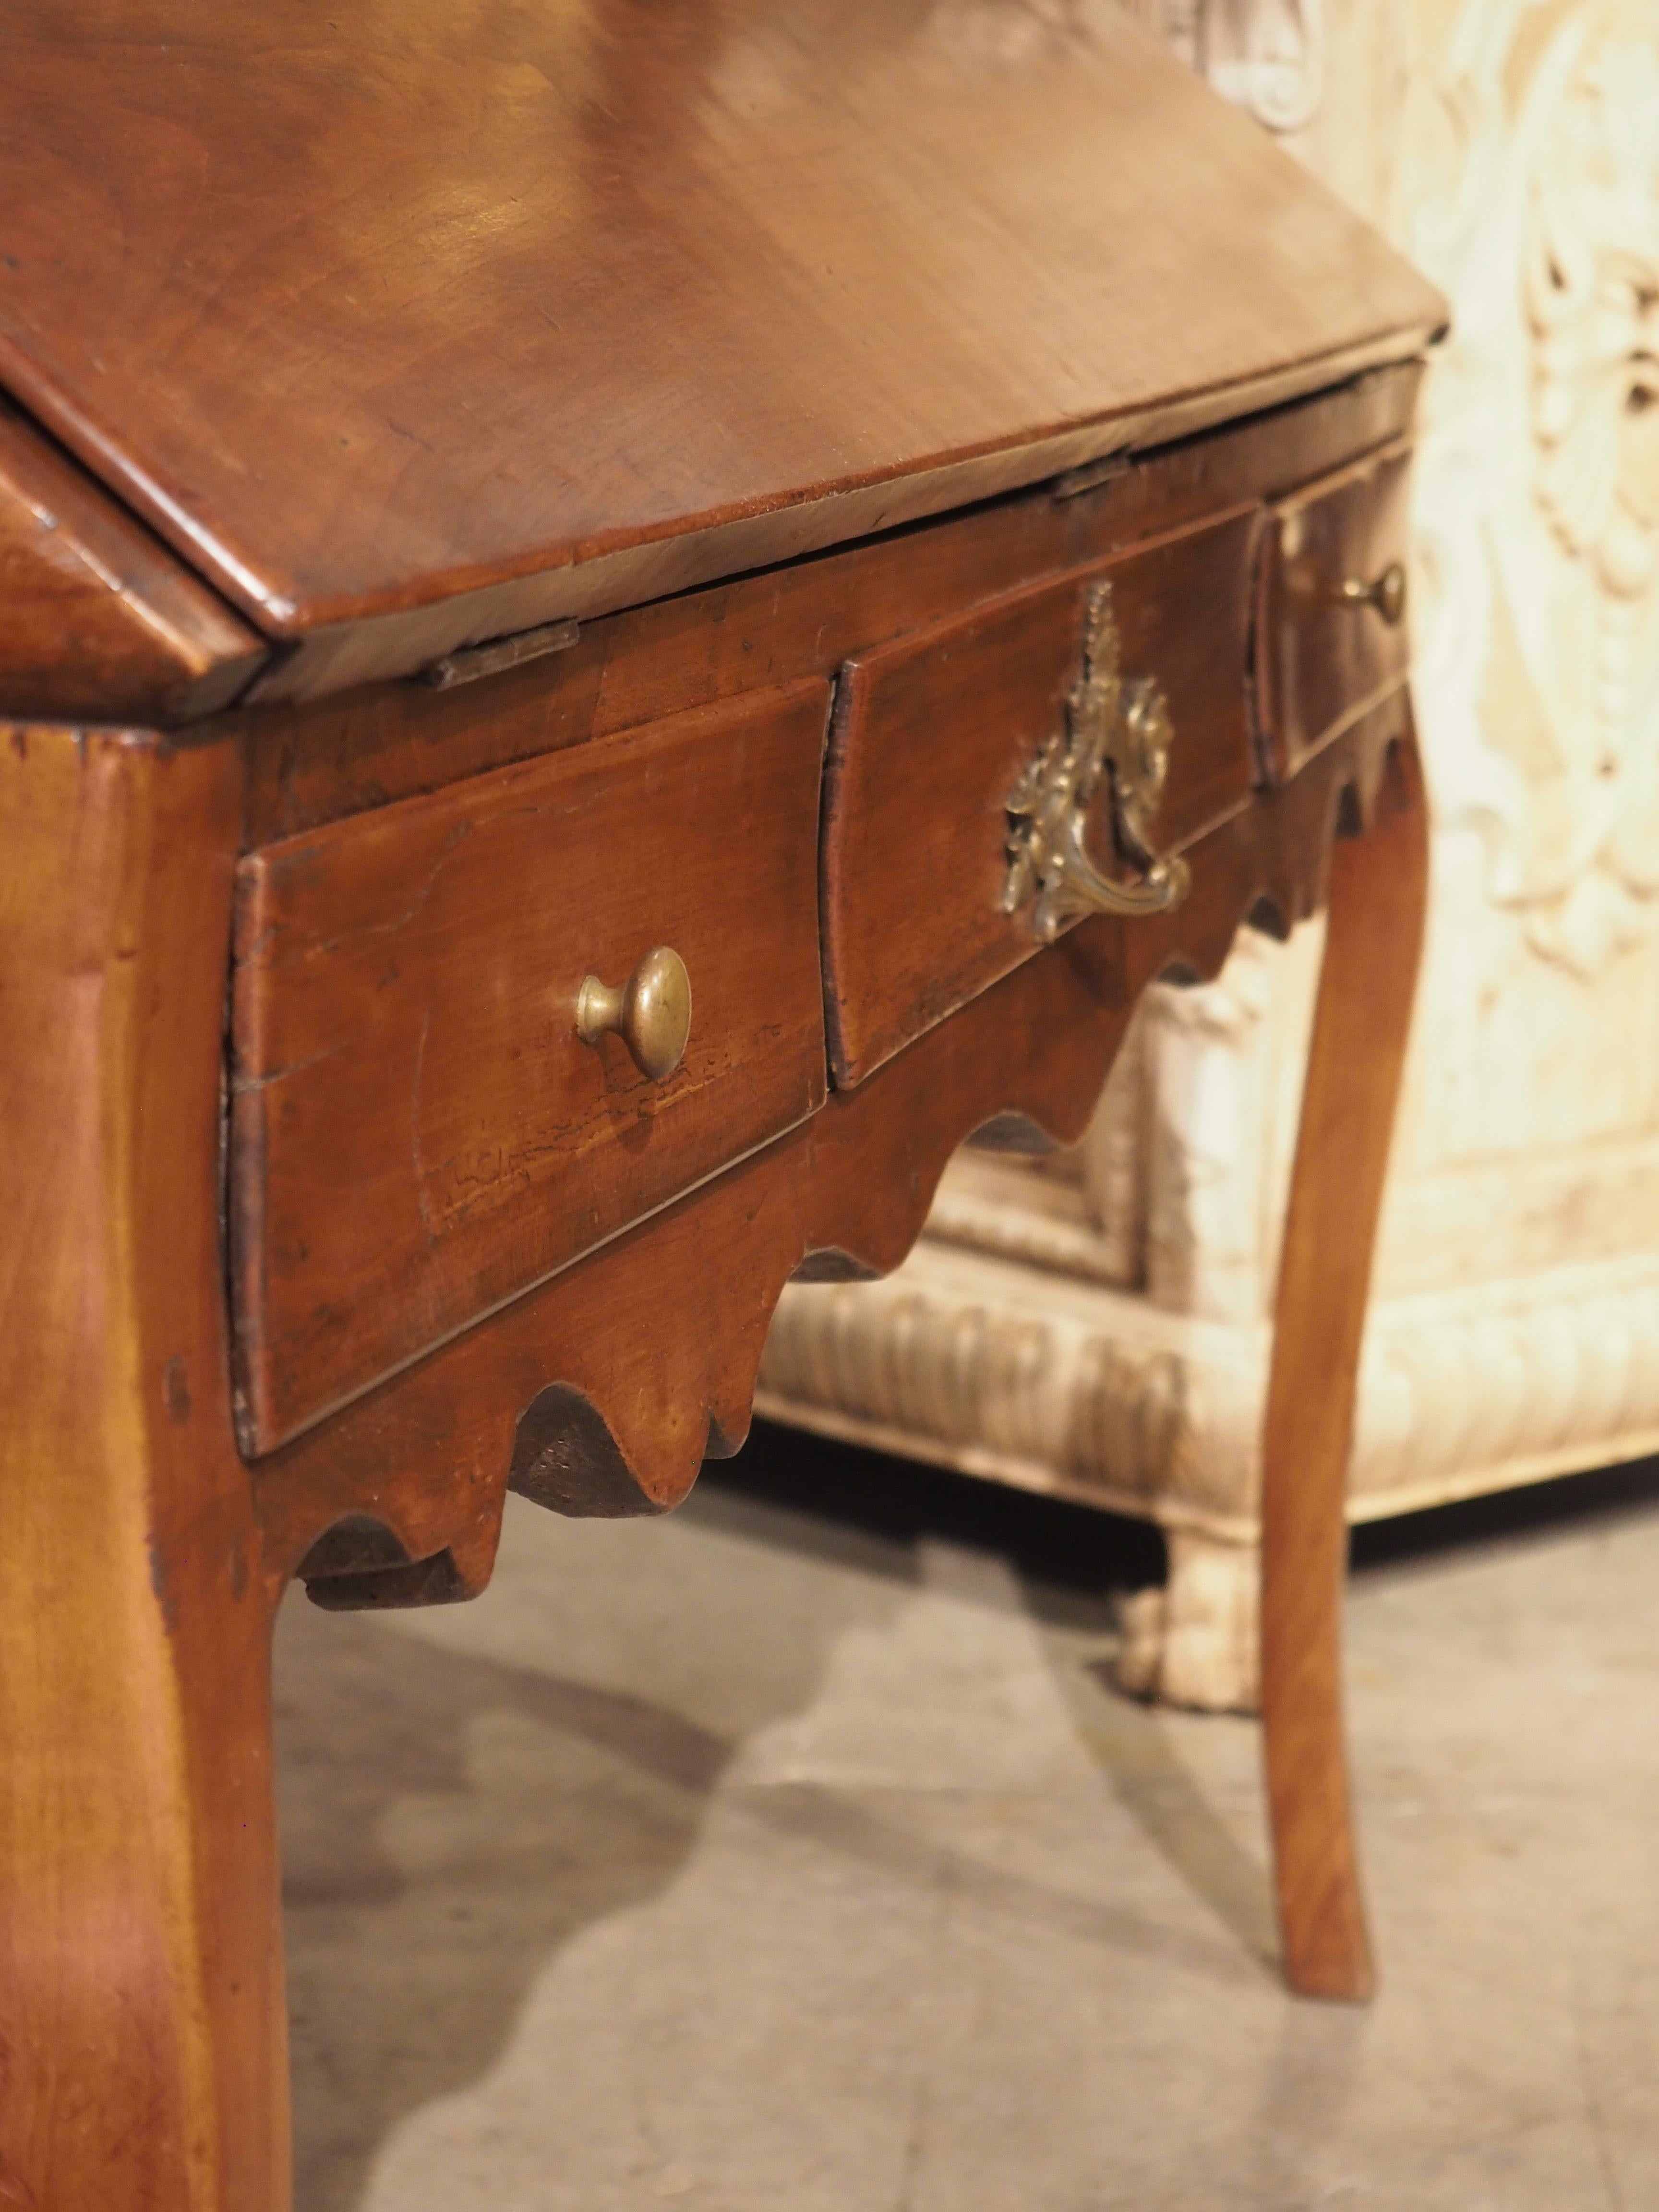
x=421, y=324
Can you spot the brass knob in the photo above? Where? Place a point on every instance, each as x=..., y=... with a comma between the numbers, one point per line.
x=1386, y=592
x=651, y=1013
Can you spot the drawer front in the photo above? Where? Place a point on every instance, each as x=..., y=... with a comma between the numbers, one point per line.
x=1333, y=634
x=418, y=1130
x=933, y=734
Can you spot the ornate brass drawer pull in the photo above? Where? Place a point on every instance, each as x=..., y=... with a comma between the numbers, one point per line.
x=1113, y=722
x=1386, y=592
x=651, y=1013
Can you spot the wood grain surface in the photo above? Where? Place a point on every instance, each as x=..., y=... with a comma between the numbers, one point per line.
x=312, y=763
x=418, y=1132
x=544, y=312
x=143, y=2050
x=1374, y=936
x=662, y=1330
x=1324, y=659
x=931, y=734
x=98, y=619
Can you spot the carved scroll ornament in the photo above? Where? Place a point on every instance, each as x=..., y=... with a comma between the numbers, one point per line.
x=1538, y=485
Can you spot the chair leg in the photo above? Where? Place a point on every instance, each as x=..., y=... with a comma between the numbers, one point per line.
x=1377, y=894
x=143, y=2052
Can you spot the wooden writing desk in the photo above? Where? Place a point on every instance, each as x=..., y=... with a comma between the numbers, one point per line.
x=618, y=624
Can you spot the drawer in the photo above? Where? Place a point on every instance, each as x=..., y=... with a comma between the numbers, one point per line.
x=418, y=1131
x=1332, y=606
x=933, y=734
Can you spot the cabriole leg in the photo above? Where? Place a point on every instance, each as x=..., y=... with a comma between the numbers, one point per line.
x=1377, y=892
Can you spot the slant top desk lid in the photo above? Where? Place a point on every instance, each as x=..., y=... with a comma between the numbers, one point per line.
x=444, y=316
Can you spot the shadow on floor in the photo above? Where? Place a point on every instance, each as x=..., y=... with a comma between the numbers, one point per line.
x=428, y=1874
x=451, y=1821
x=1071, y=1558
x=1537, y=1509
x=1068, y=1552
x=1071, y=1561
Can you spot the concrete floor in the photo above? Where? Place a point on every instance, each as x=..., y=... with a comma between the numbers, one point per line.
x=791, y=1855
